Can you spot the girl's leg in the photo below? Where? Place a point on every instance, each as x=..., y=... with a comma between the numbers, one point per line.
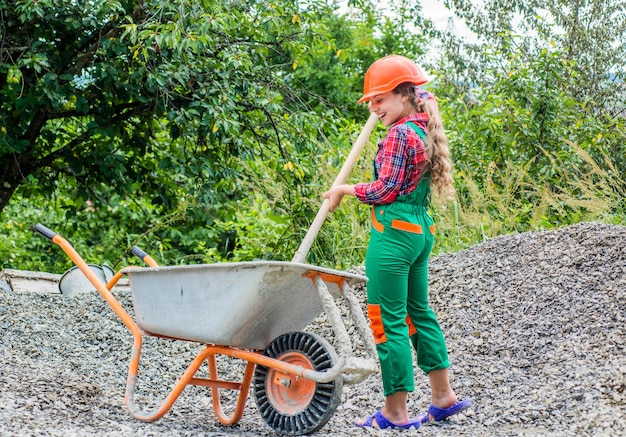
x=427, y=337
x=387, y=266
x=395, y=408
x=442, y=395
x=386, y=300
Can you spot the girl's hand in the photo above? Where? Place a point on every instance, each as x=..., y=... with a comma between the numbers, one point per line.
x=335, y=194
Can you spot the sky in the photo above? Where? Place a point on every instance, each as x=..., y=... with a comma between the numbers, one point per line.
x=440, y=16
x=437, y=12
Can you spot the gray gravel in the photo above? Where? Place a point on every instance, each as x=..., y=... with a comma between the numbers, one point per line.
x=534, y=324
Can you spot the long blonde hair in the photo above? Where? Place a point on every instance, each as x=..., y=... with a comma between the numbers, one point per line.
x=440, y=165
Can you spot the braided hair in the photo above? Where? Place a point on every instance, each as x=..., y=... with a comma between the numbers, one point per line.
x=438, y=153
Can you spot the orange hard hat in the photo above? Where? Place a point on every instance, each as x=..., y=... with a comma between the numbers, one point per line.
x=387, y=73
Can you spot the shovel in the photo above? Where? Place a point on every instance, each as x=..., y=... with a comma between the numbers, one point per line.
x=305, y=246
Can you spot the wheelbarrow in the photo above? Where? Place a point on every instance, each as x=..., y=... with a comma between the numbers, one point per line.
x=252, y=311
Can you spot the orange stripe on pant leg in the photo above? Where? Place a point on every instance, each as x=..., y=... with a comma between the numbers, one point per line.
x=376, y=323
x=412, y=329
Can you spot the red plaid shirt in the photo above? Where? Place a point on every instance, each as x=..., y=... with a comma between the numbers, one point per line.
x=399, y=163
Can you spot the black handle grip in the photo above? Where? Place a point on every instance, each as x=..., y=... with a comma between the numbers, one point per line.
x=138, y=252
x=45, y=231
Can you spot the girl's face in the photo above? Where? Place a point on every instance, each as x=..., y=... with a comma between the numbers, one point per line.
x=390, y=107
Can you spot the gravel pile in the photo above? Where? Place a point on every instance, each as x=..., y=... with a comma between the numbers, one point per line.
x=535, y=324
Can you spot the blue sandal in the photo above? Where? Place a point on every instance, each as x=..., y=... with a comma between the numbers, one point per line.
x=383, y=423
x=439, y=414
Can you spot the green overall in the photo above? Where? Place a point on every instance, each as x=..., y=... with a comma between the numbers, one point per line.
x=396, y=264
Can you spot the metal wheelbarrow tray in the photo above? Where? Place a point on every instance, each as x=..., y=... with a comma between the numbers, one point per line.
x=244, y=304
x=253, y=311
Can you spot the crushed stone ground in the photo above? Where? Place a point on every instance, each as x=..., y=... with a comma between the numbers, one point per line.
x=535, y=325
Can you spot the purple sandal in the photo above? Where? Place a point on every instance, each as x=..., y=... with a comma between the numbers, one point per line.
x=383, y=423
x=440, y=414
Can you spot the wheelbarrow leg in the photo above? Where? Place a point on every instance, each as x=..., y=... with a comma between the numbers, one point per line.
x=354, y=369
x=331, y=310
x=244, y=389
x=360, y=369
x=188, y=378
x=158, y=412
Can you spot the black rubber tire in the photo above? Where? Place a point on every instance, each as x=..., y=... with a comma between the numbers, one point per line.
x=324, y=400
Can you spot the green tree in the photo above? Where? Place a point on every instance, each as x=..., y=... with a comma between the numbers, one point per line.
x=87, y=89
x=121, y=110
x=146, y=116
x=589, y=35
x=540, y=78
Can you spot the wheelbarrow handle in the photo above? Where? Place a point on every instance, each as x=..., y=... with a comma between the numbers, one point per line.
x=138, y=252
x=45, y=231
x=143, y=256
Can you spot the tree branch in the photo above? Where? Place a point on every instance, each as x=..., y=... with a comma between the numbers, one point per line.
x=119, y=117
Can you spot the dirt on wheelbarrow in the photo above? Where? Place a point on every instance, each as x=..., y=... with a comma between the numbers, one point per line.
x=535, y=325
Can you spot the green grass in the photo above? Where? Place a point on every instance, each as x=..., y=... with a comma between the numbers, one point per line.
x=505, y=201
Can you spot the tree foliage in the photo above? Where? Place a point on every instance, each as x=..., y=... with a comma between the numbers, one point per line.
x=155, y=116
x=538, y=76
x=590, y=37
x=207, y=131
x=86, y=89
x=149, y=101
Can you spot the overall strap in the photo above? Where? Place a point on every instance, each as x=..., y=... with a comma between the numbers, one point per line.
x=420, y=196
x=418, y=130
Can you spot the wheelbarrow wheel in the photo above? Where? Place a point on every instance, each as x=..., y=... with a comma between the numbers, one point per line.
x=296, y=405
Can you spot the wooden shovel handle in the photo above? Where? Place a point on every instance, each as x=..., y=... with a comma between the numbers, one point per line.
x=303, y=250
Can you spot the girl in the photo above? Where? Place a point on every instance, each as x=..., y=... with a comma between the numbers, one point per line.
x=411, y=158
